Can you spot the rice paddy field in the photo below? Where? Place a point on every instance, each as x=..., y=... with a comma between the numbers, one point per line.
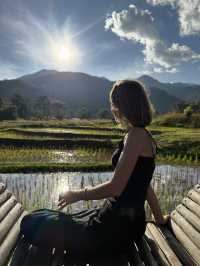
x=39, y=158
x=41, y=190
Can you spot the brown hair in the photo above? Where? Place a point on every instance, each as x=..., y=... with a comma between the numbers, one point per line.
x=130, y=104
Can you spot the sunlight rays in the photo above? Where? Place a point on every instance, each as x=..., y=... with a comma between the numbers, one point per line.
x=43, y=42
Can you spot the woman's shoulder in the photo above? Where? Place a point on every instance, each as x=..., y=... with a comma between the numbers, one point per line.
x=135, y=134
x=140, y=139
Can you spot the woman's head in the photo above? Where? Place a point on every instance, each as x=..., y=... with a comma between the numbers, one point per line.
x=130, y=104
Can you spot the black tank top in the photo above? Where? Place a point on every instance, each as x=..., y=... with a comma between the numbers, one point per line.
x=131, y=200
x=134, y=194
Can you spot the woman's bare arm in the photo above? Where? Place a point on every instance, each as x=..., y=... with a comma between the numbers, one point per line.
x=114, y=187
x=155, y=207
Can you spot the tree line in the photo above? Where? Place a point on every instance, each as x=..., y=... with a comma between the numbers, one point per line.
x=188, y=108
x=42, y=108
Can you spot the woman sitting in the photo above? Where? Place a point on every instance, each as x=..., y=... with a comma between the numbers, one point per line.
x=111, y=228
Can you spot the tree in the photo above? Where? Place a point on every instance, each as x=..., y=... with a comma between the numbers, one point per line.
x=1, y=103
x=21, y=107
x=83, y=113
x=188, y=111
x=58, y=110
x=103, y=113
x=8, y=113
x=42, y=107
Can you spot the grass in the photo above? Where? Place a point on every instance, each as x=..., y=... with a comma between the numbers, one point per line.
x=42, y=155
x=38, y=145
x=53, y=167
x=178, y=145
x=47, y=149
x=41, y=190
x=65, y=123
x=178, y=120
x=63, y=133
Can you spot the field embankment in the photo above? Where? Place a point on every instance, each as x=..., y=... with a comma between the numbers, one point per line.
x=83, y=145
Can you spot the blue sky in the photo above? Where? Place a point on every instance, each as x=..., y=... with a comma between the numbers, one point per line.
x=112, y=38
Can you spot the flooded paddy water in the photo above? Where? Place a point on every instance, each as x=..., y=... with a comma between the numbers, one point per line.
x=40, y=190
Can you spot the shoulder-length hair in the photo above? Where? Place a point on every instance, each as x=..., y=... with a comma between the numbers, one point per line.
x=130, y=104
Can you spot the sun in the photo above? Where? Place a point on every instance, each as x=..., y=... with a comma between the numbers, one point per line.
x=65, y=53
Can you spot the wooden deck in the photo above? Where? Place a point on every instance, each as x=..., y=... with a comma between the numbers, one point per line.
x=177, y=245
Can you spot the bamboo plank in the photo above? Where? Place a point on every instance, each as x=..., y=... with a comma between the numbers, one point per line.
x=134, y=257
x=119, y=260
x=30, y=259
x=197, y=188
x=186, y=242
x=156, y=250
x=192, y=206
x=58, y=257
x=180, y=251
x=4, y=196
x=145, y=253
x=20, y=253
x=195, y=196
x=9, y=220
x=37, y=257
x=10, y=241
x=187, y=228
x=163, y=245
x=2, y=187
x=189, y=216
x=6, y=207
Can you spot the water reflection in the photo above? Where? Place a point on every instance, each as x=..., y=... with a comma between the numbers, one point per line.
x=171, y=184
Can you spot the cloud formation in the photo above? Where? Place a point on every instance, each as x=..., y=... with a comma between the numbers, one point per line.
x=138, y=26
x=161, y=2
x=8, y=70
x=188, y=14
x=132, y=24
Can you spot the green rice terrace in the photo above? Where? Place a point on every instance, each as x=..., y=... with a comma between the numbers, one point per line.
x=40, y=158
x=83, y=145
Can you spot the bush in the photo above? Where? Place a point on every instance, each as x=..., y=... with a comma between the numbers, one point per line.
x=8, y=113
x=188, y=111
x=178, y=120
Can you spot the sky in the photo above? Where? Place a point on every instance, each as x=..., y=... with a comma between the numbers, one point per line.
x=116, y=39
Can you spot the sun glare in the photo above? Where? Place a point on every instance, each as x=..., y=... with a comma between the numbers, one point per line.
x=64, y=53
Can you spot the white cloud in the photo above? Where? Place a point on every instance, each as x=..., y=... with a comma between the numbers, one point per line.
x=138, y=26
x=188, y=14
x=169, y=58
x=161, y=2
x=132, y=24
x=8, y=70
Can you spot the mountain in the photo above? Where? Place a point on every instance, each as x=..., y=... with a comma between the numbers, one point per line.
x=77, y=90
x=184, y=91
x=74, y=89
x=16, y=86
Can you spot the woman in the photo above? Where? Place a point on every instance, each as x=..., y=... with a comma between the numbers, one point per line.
x=113, y=227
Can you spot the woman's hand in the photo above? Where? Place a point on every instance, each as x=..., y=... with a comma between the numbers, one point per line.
x=164, y=221
x=68, y=197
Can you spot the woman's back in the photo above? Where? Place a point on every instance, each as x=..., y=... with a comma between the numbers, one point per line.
x=129, y=205
x=135, y=191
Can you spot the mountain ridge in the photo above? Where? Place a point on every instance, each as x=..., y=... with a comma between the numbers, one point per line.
x=78, y=89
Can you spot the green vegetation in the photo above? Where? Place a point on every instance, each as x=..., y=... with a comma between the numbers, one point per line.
x=185, y=120
x=84, y=145
x=36, y=190
x=41, y=107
